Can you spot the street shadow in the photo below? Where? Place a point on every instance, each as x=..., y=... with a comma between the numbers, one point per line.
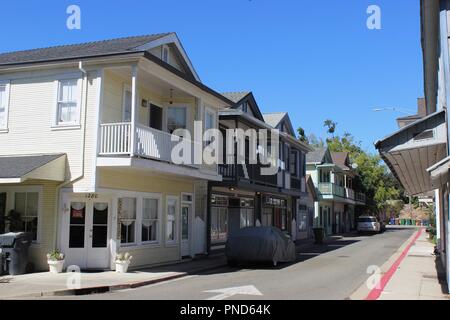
x=317, y=250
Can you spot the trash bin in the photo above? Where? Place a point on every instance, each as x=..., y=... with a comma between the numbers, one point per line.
x=14, y=249
x=318, y=235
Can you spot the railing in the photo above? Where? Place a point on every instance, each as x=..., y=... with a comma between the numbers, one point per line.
x=252, y=174
x=360, y=197
x=336, y=190
x=331, y=189
x=350, y=193
x=154, y=143
x=115, y=139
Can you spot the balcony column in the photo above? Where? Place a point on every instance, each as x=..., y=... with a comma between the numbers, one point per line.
x=345, y=181
x=133, y=108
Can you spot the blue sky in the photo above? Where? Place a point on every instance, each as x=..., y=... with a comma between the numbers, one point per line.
x=314, y=59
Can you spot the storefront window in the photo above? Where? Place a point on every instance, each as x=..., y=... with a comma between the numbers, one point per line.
x=127, y=216
x=267, y=217
x=150, y=220
x=219, y=224
x=247, y=218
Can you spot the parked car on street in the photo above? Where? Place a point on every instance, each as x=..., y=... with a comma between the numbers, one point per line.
x=368, y=224
x=259, y=244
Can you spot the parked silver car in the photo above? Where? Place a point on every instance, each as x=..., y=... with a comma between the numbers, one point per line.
x=259, y=244
x=368, y=224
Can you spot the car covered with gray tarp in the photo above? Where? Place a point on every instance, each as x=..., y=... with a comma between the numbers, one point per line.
x=259, y=244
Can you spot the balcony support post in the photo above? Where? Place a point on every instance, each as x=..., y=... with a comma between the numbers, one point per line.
x=133, y=109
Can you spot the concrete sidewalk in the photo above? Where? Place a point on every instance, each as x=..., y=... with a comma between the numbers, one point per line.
x=47, y=284
x=419, y=276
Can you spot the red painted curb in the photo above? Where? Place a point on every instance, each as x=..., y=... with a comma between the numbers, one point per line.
x=376, y=292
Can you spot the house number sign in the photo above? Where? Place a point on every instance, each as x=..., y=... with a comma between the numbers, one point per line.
x=91, y=196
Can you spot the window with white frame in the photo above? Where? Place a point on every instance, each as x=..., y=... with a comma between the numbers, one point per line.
x=127, y=218
x=68, y=109
x=171, y=224
x=4, y=105
x=176, y=118
x=150, y=220
x=24, y=217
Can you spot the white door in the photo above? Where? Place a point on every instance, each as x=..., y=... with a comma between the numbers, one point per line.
x=86, y=239
x=186, y=212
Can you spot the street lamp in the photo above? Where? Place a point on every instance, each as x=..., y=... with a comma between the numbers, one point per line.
x=401, y=110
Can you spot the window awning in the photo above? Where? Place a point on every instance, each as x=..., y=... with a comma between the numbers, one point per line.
x=413, y=149
x=17, y=169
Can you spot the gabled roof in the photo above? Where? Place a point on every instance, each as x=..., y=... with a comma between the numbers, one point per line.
x=316, y=156
x=134, y=44
x=275, y=120
x=236, y=96
x=341, y=160
x=244, y=96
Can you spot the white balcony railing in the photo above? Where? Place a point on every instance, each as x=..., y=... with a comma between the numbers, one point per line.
x=115, y=139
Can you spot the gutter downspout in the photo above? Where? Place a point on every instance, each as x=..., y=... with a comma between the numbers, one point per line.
x=83, y=148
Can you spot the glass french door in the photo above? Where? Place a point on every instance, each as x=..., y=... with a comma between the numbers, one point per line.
x=88, y=230
x=185, y=229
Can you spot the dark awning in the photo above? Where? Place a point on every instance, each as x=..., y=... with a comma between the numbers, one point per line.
x=413, y=149
x=16, y=169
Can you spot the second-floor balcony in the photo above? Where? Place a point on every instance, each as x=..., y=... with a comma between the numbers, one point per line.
x=329, y=189
x=250, y=174
x=116, y=139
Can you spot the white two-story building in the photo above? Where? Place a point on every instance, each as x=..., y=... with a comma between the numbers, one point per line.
x=85, y=151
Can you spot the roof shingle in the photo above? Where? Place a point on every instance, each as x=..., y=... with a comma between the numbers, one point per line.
x=316, y=156
x=87, y=49
x=17, y=166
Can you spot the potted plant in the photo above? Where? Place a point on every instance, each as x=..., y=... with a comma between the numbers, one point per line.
x=55, y=260
x=123, y=262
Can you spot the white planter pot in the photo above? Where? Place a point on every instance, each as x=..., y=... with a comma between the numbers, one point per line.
x=122, y=266
x=55, y=266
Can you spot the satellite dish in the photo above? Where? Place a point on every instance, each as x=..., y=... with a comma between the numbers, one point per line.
x=354, y=165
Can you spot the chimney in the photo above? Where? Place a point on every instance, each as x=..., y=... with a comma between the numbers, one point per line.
x=421, y=107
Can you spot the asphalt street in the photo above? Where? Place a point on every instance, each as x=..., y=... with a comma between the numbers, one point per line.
x=333, y=271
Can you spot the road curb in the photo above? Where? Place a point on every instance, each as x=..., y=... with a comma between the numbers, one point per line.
x=110, y=288
x=363, y=291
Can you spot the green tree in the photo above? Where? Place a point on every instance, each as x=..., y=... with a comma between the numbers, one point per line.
x=302, y=135
x=374, y=178
x=331, y=125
